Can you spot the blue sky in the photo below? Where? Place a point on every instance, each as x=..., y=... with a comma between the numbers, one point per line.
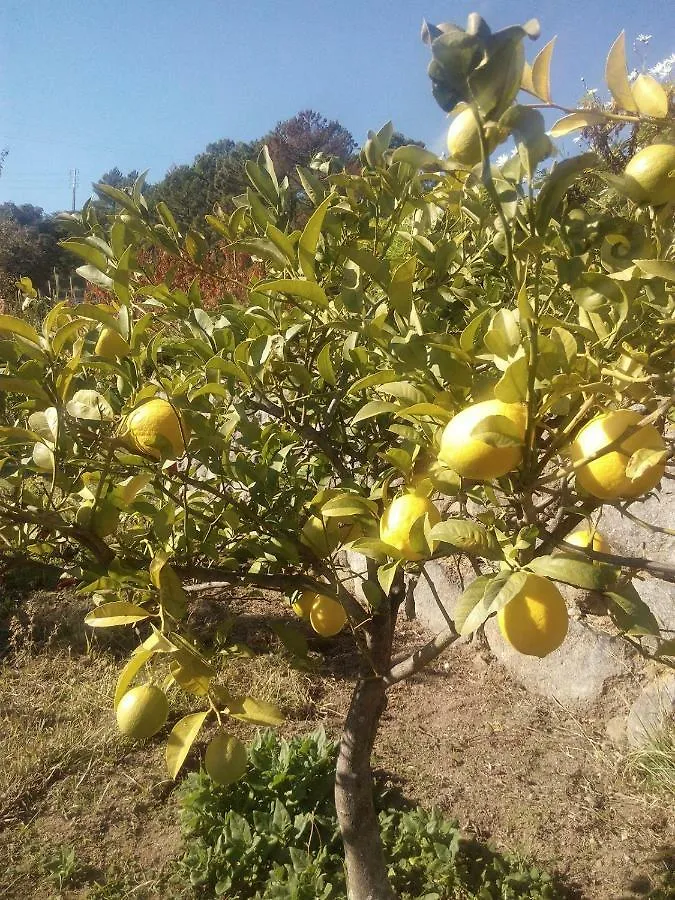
x=94, y=84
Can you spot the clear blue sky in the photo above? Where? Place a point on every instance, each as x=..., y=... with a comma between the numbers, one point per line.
x=147, y=84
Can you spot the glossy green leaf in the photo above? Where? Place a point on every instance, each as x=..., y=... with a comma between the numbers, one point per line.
x=117, y=612
x=17, y=326
x=309, y=239
x=577, y=572
x=182, y=737
x=616, y=75
x=630, y=611
x=305, y=290
x=541, y=72
x=256, y=712
x=466, y=535
x=129, y=672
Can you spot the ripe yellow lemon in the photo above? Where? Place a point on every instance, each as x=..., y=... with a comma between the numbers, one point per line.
x=650, y=174
x=111, y=345
x=472, y=457
x=583, y=539
x=605, y=477
x=303, y=605
x=225, y=759
x=535, y=621
x=327, y=616
x=463, y=140
x=399, y=520
x=156, y=430
x=142, y=711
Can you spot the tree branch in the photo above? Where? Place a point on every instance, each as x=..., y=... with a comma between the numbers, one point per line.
x=421, y=657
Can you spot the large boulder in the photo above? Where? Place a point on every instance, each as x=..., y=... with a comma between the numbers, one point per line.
x=577, y=673
x=652, y=711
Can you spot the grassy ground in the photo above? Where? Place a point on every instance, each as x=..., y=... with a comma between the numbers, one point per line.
x=85, y=813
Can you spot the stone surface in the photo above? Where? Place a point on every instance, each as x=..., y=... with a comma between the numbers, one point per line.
x=615, y=728
x=651, y=711
x=436, y=595
x=576, y=673
x=630, y=539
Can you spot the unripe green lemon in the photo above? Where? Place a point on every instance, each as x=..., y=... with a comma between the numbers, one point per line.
x=325, y=536
x=605, y=477
x=327, y=616
x=651, y=174
x=225, y=759
x=156, y=430
x=463, y=140
x=102, y=521
x=111, y=345
x=535, y=621
x=399, y=520
x=142, y=711
x=472, y=457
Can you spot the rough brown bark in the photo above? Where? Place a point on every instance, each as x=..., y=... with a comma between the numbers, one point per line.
x=364, y=858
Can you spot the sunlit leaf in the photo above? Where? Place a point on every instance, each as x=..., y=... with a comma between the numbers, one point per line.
x=117, y=612
x=616, y=75
x=182, y=737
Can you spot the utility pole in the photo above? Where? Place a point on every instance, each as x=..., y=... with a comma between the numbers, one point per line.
x=74, y=182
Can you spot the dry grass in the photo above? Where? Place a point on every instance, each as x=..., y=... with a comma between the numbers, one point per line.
x=55, y=720
x=654, y=764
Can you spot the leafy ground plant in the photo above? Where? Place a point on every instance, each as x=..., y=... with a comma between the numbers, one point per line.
x=274, y=835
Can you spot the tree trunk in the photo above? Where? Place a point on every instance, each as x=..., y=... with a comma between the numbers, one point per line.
x=364, y=858
x=366, y=869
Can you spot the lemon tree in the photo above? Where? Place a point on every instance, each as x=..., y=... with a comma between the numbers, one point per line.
x=435, y=359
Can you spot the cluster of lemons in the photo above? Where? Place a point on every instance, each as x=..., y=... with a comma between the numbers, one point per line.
x=535, y=620
x=143, y=711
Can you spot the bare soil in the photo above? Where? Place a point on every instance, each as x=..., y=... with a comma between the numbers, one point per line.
x=516, y=770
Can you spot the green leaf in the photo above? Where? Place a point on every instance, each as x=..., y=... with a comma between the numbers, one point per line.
x=512, y=386
x=373, y=408
x=292, y=639
x=325, y=365
x=575, y=121
x=117, y=612
x=18, y=326
x=95, y=276
x=541, y=72
x=470, y=597
x=561, y=177
x=23, y=386
x=375, y=378
x=306, y=290
x=420, y=410
x=19, y=436
x=417, y=157
x=497, y=431
x=92, y=255
x=182, y=737
x=631, y=613
x=659, y=268
x=129, y=672
x=309, y=238
x=257, y=712
x=347, y=504
x=616, y=75
x=592, y=576
x=472, y=537
x=643, y=461
x=500, y=590
x=386, y=575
